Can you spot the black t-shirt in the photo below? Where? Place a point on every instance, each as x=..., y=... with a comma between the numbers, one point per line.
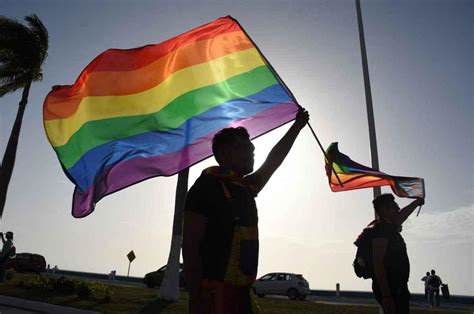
x=397, y=264
x=223, y=210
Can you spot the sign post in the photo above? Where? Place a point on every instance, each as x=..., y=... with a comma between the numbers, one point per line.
x=131, y=257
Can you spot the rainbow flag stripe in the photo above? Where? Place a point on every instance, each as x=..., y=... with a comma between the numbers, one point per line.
x=134, y=114
x=356, y=176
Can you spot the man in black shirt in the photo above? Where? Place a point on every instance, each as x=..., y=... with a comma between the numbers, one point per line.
x=434, y=282
x=220, y=230
x=390, y=258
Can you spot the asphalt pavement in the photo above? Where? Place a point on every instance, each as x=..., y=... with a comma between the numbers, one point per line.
x=9, y=305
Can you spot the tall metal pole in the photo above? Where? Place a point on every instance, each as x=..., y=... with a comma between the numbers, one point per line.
x=368, y=97
x=368, y=100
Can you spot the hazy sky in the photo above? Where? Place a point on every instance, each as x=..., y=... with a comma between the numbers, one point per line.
x=421, y=66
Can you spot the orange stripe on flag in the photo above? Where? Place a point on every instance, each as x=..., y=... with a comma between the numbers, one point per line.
x=131, y=82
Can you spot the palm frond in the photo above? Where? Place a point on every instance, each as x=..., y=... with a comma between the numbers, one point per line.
x=11, y=87
x=11, y=28
x=5, y=55
x=17, y=42
x=40, y=31
x=23, y=50
x=21, y=77
x=9, y=73
x=8, y=80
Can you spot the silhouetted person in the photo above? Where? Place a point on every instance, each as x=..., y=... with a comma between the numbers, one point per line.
x=434, y=282
x=220, y=235
x=7, y=250
x=390, y=258
x=425, y=279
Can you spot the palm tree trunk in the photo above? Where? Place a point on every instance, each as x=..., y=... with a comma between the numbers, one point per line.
x=8, y=162
x=169, y=289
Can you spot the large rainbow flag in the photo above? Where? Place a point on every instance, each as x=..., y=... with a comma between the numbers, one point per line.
x=134, y=114
x=356, y=176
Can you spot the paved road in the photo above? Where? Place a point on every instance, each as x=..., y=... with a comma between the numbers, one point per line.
x=9, y=305
x=371, y=302
x=11, y=310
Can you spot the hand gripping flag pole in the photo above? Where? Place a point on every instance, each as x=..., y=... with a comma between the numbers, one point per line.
x=291, y=95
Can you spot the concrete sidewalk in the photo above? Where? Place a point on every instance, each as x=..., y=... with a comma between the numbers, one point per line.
x=9, y=305
x=466, y=308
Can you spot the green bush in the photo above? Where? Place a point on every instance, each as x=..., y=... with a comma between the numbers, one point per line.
x=103, y=292
x=9, y=274
x=84, y=289
x=39, y=282
x=109, y=294
x=63, y=285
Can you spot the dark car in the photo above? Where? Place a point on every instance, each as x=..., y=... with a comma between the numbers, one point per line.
x=27, y=262
x=154, y=278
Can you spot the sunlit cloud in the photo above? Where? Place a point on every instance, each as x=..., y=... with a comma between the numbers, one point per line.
x=454, y=226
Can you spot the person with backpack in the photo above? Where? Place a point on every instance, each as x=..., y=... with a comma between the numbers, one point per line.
x=434, y=282
x=7, y=251
x=382, y=254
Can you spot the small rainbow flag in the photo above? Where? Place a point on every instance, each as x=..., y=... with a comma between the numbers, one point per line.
x=355, y=176
x=134, y=114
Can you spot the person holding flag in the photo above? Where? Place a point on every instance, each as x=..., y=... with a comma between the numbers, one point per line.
x=220, y=233
x=7, y=251
x=390, y=258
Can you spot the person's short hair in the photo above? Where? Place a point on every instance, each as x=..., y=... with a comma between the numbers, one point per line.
x=381, y=201
x=433, y=272
x=227, y=136
x=9, y=235
x=427, y=273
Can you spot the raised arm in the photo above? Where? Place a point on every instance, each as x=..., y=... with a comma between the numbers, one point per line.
x=279, y=152
x=407, y=210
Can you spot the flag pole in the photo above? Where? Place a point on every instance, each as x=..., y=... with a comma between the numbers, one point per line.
x=279, y=79
x=325, y=155
x=368, y=96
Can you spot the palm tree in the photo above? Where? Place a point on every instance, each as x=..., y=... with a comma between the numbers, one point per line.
x=23, y=50
x=169, y=289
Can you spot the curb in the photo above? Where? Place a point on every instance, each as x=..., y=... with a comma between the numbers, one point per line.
x=39, y=307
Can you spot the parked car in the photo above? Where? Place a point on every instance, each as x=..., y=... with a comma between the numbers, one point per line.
x=27, y=262
x=154, y=278
x=292, y=285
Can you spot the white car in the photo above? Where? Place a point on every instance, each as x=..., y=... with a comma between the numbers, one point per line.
x=292, y=285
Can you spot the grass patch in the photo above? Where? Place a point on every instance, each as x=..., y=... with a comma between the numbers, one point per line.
x=143, y=300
